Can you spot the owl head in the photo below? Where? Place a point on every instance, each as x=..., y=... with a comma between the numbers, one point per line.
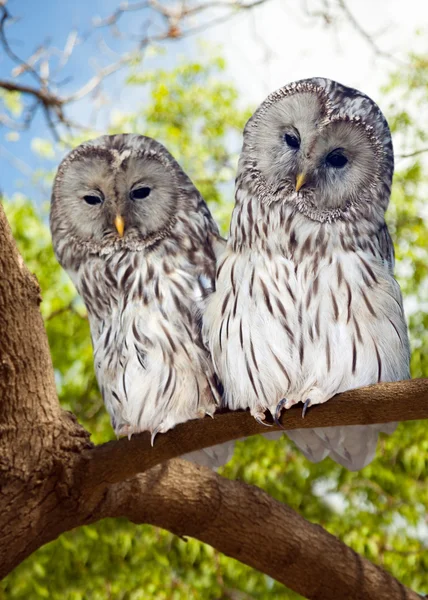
x=322, y=146
x=119, y=191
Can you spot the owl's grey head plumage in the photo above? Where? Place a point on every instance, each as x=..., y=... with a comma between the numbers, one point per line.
x=124, y=184
x=323, y=146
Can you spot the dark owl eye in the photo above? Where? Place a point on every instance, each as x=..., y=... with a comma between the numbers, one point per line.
x=140, y=193
x=292, y=141
x=336, y=159
x=92, y=199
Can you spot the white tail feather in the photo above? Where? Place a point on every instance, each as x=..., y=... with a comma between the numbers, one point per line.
x=212, y=457
x=352, y=446
x=309, y=443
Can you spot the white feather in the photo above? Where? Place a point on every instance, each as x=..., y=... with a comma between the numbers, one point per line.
x=260, y=361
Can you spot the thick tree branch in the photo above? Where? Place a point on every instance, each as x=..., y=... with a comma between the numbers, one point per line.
x=382, y=403
x=240, y=520
x=52, y=479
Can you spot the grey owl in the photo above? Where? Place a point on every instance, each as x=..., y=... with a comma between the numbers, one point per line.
x=139, y=243
x=306, y=304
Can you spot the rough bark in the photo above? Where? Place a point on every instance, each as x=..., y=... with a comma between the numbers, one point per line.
x=52, y=479
x=382, y=403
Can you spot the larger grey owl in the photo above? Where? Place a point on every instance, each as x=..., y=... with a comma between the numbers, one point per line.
x=306, y=303
x=139, y=243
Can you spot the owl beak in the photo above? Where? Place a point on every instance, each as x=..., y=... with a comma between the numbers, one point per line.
x=300, y=181
x=120, y=225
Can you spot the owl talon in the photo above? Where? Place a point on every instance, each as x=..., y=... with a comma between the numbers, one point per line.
x=278, y=411
x=154, y=434
x=306, y=405
x=260, y=418
x=278, y=423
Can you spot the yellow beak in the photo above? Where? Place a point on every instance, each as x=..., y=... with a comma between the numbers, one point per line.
x=120, y=225
x=300, y=180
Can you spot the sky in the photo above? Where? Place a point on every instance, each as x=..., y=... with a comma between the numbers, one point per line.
x=276, y=44
x=264, y=48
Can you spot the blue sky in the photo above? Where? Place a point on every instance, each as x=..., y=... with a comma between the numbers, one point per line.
x=38, y=22
x=52, y=20
x=264, y=49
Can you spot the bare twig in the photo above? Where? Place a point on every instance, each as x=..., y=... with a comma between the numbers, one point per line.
x=369, y=38
x=46, y=95
x=411, y=154
x=124, y=7
x=42, y=95
x=175, y=21
x=5, y=16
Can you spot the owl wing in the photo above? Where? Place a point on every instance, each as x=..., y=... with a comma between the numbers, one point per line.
x=386, y=248
x=218, y=245
x=214, y=456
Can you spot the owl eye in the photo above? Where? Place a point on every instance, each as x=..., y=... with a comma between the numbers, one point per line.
x=140, y=193
x=92, y=199
x=336, y=159
x=292, y=141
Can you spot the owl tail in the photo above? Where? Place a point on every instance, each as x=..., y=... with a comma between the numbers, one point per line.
x=212, y=457
x=353, y=446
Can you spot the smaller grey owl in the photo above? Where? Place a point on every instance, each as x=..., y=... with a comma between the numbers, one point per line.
x=139, y=243
x=306, y=304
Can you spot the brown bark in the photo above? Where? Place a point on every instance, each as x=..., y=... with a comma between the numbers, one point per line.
x=52, y=479
x=382, y=403
x=244, y=522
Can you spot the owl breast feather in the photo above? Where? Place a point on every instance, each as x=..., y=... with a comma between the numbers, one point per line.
x=152, y=368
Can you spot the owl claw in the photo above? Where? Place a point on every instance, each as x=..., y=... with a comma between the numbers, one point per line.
x=260, y=418
x=154, y=434
x=124, y=430
x=278, y=411
x=306, y=405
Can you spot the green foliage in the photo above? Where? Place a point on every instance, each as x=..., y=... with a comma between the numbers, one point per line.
x=379, y=511
x=12, y=102
x=194, y=113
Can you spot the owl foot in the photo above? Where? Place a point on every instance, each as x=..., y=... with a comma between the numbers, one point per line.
x=314, y=396
x=278, y=411
x=125, y=430
x=159, y=429
x=260, y=417
x=306, y=405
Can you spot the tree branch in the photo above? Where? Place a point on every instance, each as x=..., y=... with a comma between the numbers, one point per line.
x=175, y=26
x=42, y=95
x=244, y=522
x=172, y=21
x=412, y=154
x=381, y=403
